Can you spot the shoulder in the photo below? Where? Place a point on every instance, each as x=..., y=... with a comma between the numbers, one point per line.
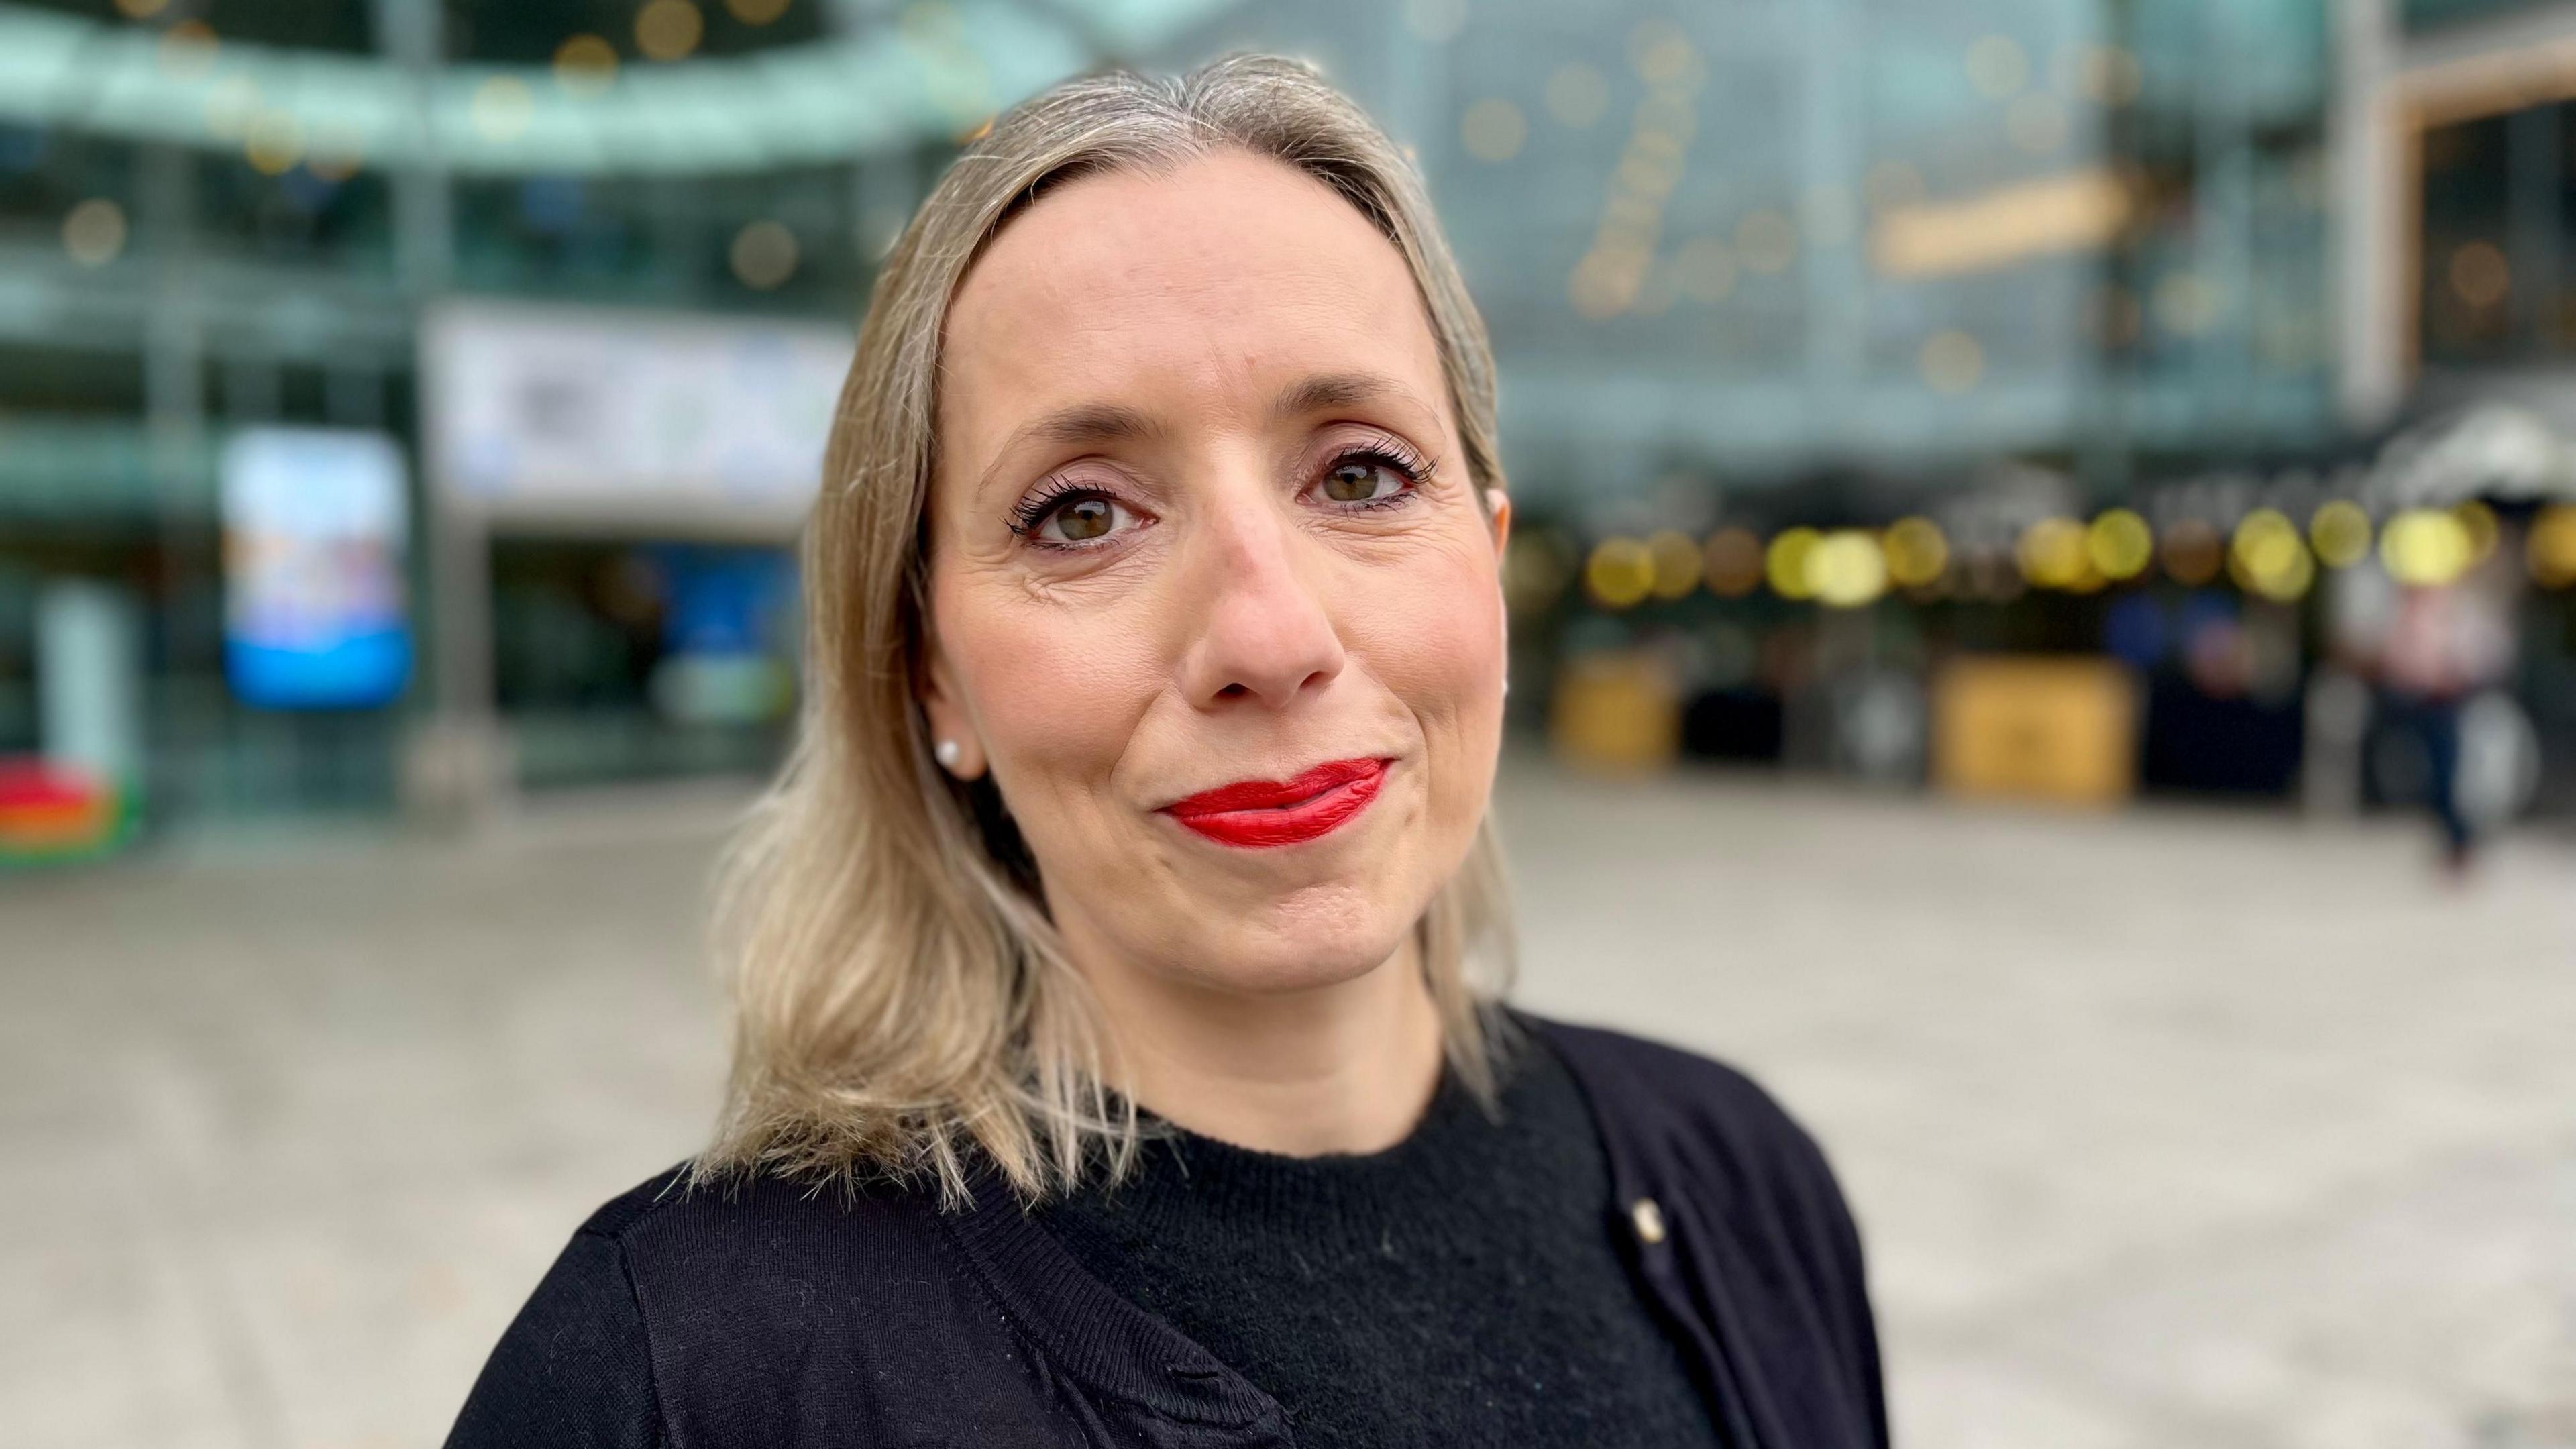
x=1659, y=1088
x=682, y=1310
x=1723, y=1157
x=1677, y=1112
x=575, y=1366
x=687, y=1242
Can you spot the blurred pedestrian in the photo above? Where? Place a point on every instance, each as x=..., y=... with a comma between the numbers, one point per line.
x=2445, y=642
x=1120, y=1053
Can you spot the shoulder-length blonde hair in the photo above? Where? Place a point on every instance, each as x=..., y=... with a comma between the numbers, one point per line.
x=901, y=1000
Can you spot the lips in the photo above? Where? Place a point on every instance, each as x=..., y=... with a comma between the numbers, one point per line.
x=1255, y=814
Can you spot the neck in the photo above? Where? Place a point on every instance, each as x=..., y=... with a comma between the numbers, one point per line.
x=1345, y=1067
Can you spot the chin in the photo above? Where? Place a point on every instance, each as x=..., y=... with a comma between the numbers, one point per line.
x=1319, y=936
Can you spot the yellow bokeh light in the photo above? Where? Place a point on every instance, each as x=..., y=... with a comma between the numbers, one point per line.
x=1916, y=552
x=1676, y=562
x=2052, y=553
x=1846, y=569
x=756, y=12
x=1620, y=573
x=1605, y=282
x=669, y=29
x=2479, y=522
x=2426, y=547
x=501, y=108
x=2268, y=557
x=1732, y=562
x=2551, y=549
x=585, y=65
x=1785, y=562
x=274, y=143
x=2119, y=544
x=2340, y=533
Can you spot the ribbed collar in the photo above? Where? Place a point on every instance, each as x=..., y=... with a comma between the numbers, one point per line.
x=1123, y=1352
x=1186, y=1180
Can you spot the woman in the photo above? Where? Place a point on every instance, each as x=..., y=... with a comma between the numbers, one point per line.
x=1119, y=1057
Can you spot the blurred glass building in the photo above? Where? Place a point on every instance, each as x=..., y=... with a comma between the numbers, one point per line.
x=1751, y=266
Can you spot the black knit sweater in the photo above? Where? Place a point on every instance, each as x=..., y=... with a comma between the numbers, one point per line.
x=1460, y=1288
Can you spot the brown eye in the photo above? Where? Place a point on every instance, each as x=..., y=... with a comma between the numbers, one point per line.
x=1361, y=480
x=1081, y=518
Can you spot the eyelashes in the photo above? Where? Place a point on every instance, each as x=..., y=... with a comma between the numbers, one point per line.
x=1050, y=494
x=1380, y=449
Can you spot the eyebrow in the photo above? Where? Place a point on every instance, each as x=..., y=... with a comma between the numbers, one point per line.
x=1327, y=391
x=1080, y=423
x=1111, y=422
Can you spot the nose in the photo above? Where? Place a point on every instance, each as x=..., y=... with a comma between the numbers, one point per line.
x=1263, y=633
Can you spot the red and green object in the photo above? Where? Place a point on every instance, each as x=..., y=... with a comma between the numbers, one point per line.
x=51, y=814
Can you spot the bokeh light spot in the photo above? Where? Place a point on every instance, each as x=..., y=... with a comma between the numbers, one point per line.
x=2425, y=547
x=2120, y=544
x=2479, y=273
x=501, y=108
x=2339, y=531
x=1732, y=561
x=1917, y=553
x=2052, y=553
x=1493, y=129
x=94, y=232
x=1785, y=562
x=1676, y=561
x=2479, y=522
x=1620, y=573
x=1846, y=569
x=763, y=255
x=2551, y=549
x=2192, y=552
x=669, y=29
x=585, y=65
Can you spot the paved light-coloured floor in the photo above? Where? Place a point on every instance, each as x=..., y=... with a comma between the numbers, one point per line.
x=2176, y=1128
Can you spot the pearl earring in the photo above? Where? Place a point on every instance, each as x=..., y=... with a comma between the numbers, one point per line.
x=947, y=754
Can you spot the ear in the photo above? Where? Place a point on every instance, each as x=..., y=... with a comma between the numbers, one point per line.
x=943, y=709
x=1498, y=509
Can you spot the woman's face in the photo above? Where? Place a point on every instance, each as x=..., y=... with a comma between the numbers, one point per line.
x=1201, y=520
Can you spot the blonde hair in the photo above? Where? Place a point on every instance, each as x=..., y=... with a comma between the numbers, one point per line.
x=901, y=1001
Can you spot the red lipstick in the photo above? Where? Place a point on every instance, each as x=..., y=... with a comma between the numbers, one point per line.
x=1258, y=813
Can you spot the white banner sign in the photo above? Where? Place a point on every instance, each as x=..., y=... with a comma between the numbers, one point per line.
x=659, y=420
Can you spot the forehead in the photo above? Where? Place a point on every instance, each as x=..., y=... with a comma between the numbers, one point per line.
x=1219, y=275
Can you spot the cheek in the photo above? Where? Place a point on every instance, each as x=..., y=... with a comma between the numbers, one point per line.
x=1055, y=696
x=1433, y=635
